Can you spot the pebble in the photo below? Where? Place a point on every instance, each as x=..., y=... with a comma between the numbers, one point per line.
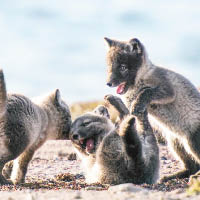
x=163, y=158
x=77, y=195
x=127, y=187
x=93, y=188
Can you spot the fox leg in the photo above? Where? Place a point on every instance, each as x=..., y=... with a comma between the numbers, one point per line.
x=20, y=164
x=130, y=139
x=191, y=166
x=5, y=156
x=117, y=103
x=7, y=169
x=3, y=181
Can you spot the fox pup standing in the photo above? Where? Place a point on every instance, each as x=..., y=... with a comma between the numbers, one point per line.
x=173, y=105
x=129, y=154
x=25, y=126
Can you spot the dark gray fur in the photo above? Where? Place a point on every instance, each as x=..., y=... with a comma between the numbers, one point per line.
x=25, y=126
x=128, y=153
x=172, y=101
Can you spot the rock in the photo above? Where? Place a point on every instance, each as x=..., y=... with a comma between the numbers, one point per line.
x=93, y=188
x=77, y=195
x=72, y=156
x=127, y=187
x=163, y=158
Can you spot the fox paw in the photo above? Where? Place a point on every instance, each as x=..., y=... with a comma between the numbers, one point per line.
x=138, y=110
x=109, y=99
x=7, y=169
x=179, y=175
x=3, y=181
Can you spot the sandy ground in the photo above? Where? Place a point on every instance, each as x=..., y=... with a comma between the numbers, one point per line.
x=54, y=174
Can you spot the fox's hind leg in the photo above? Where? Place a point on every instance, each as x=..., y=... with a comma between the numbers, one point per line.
x=191, y=166
x=20, y=164
x=130, y=139
x=3, y=160
x=5, y=156
x=3, y=181
x=7, y=169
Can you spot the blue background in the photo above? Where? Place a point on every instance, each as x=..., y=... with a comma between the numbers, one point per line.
x=47, y=44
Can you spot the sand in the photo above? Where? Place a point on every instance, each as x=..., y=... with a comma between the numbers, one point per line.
x=55, y=173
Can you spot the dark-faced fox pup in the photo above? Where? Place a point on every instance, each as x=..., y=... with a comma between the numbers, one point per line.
x=173, y=105
x=25, y=126
x=128, y=153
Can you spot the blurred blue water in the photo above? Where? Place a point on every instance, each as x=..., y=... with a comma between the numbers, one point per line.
x=52, y=44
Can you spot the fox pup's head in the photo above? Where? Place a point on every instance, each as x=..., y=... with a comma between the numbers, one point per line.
x=88, y=130
x=59, y=116
x=124, y=60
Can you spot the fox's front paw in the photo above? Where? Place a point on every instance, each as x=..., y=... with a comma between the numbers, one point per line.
x=138, y=109
x=109, y=99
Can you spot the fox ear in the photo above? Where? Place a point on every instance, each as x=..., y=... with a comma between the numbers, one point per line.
x=135, y=46
x=102, y=111
x=109, y=42
x=57, y=97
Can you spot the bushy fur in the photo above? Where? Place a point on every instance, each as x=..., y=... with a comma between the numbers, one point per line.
x=172, y=101
x=25, y=126
x=127, y=153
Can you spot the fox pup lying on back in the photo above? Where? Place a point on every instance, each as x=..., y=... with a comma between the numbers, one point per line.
x=25, y=126
x=173, y=105
x=112, y=155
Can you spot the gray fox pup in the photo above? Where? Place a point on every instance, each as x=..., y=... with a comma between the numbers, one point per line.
x=109, y=155
x=173, y=104
x=25, y=126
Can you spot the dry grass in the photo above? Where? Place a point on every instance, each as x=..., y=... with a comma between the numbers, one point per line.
x=80, y=108
x=194, y=184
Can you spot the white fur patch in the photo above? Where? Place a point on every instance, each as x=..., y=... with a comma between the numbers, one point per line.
x=170, y=135
x=111, y=126
x=92, y=170
x=16, y=172
x=160, y=126
x=93, y=175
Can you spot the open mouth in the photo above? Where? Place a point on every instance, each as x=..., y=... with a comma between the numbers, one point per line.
x=88, y=144
x=121, y=88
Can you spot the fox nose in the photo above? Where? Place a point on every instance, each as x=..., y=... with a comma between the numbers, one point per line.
x=75, y=137
x=109, y=84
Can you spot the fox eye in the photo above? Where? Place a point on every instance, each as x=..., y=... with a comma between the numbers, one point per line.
x=123, y=67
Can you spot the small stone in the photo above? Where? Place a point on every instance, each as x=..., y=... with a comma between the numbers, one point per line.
x=127, y=187
x=67, y=177
x=71, y=156
x=93, y=188
x=30, y=197
x=163, y=158
x=77, y=195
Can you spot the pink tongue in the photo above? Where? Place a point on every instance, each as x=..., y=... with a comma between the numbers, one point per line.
x=90, y=145
x=120, y=88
